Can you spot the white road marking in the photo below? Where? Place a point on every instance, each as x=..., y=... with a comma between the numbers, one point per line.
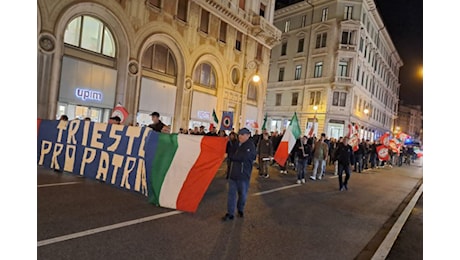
x=274, y=190
x=105, y=228
x=384, y=248
x=57, y=184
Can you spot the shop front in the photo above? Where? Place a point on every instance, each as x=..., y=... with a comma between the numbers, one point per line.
x=156, y=96
x=86, y=90
x=202, y=106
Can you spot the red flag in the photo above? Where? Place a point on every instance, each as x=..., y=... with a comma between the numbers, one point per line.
x=121, y=112
x=382, y=152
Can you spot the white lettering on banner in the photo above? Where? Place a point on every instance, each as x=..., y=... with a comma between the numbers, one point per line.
x=117, y=161
x=69, y=158
x=103, y=166
x=132, y=132
x=87, y=159
x=72, y=130
x=84, y=141
x=129, y=166
x=113, y=134
x=88, y=94
x=141, y=151
x=46, y=148
x=96, y=135
x=61, y=127
x=92, y=148
x=141, y=178
x=57, y=151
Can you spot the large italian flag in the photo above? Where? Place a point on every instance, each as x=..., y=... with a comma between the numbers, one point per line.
x=288, y=141
x=181, y=167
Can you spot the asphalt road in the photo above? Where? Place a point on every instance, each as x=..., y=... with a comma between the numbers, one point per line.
x=85, y=219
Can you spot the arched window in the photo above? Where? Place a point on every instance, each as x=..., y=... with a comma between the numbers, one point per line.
x=159, y=58
x=205, y=76
x=252, y=91
x=90, y=34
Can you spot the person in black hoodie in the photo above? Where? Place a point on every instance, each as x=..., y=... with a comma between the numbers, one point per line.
x=344, y=156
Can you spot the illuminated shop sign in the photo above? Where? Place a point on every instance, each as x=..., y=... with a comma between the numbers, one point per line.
x=204, y=115
x=88, y=94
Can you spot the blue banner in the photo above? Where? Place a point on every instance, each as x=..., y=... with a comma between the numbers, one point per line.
x=227, y=120
x=110, y=153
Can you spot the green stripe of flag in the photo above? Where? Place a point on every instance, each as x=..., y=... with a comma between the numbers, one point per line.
x=161, y=163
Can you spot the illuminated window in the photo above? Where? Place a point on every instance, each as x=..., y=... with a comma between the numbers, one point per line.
x=90, y=34
x=318, y=70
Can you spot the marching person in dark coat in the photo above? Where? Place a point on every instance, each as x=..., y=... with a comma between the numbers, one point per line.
x=302, y=150
x=344, y=156
x=240, y=174
x=232, y=145
x=265, y=153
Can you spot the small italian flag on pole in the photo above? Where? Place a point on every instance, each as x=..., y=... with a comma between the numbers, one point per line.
x=215, y=120
x=264, y=125
x=287, y=142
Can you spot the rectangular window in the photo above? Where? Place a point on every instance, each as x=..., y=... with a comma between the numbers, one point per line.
x=156, y=3
x=343, y=99
x=321, y=40
x=262, y=10
x=318, y=70
x=287, y=24
x=278, y=99
x=348, y=13
x=295, y=98
x=324, y=15
x=300, y=45
x=223, y=31
x=362, y=78
x=343, y=69
x=204, y=22
x=347, y=37
x=315, y=98
x=335, y=98
x=361, y=43
x=304, y=20
x=281, y=74
x=259, y=51
x=182, y=9
x=283, y=48
x=298, y=72
x=357, y=74
x=239, y=40
x=242, y=4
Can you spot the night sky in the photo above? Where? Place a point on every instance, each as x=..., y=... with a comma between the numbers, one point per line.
x=404, y=22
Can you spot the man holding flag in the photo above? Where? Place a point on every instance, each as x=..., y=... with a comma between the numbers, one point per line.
x=287, y=143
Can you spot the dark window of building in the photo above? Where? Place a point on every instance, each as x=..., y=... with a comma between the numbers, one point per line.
x=300, y=45
x=262, y=10
x=239, y=39
x=278, y=99
x=223, y=31
x=182, y=6
x=204, y=22
x=295, y=98
x=283, y=48
x=281, y=74
x=321, y=40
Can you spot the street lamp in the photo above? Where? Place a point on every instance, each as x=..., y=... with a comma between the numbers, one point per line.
x=366, y=111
